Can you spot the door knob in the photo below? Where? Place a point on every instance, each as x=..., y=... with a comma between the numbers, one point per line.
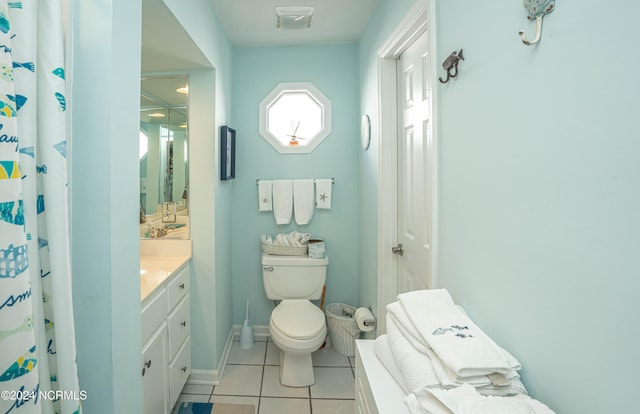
x=399, y=249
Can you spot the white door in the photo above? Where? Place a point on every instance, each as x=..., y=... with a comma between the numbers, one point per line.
x=415, y=165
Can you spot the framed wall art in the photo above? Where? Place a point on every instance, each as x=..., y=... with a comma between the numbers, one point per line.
x=227, y=153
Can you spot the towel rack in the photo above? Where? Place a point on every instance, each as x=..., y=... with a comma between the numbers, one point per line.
x=333, y=180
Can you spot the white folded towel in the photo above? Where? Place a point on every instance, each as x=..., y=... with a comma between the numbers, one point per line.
x=466, y=400
x=428, y=405
x=264, y=196
x=460, y=344
x=483, y=383
x=290, y=239
x=385, y=355
x=282, y=201
x=415, y=367
x=303, y=201
x=323, y=193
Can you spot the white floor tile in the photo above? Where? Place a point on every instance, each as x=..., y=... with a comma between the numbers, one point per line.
x=252, y=356
x=197, y=389
x=273, y=354
x=271, y=386
x=226, y=399
x=333, y=406
x=284, y=406
x=240, y=380
x=333, y=383
x=329, y=357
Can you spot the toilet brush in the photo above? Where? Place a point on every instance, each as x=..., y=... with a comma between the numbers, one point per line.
x=246, y=333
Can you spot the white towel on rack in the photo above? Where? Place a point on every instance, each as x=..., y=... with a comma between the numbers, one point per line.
x=264, y=196
x=282, y=201
x=303, y=201
x=323, y=193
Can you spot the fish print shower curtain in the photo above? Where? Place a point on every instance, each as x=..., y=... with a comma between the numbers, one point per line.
x=38, y=371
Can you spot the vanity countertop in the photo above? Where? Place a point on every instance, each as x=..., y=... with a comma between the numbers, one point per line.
x=155, y=270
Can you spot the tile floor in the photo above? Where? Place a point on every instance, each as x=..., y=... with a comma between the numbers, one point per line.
x=252, y=377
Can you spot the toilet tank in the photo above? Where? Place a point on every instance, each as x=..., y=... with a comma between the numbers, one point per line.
x=293, y=277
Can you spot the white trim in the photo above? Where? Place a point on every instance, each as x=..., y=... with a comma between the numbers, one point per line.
x=415, y=23
x=260, y=332
x=412, y=26
x=316, y=95
x=212, y=376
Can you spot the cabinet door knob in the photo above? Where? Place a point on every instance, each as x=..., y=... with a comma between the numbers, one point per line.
x=183, y=323
x=181, y=285
x=399, y=249
x=184, y=369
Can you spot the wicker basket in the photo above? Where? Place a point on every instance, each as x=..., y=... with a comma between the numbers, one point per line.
x=343, y=328
x=284, y=250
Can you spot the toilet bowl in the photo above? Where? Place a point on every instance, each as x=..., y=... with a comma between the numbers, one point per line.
x=296, y=325
x=298, y=328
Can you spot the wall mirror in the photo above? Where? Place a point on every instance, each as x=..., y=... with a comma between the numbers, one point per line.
x=164, y=164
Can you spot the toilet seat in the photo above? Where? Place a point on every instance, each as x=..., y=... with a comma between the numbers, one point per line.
x=298, y=319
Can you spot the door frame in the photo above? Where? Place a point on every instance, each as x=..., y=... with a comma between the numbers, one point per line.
x=419, y=18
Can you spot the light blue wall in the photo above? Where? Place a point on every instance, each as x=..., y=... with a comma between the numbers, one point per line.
x=104, y=100
x=210, y=211
x=539, y=228
x=538, y=189
x=104, y=235
x=382, y=23
x=333, y=70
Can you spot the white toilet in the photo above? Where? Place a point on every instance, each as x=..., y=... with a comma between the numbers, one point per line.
x=297, y=326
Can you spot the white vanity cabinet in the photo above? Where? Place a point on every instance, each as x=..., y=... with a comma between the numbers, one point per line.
x=166, y=338
x=376, y=391
x=154, y=372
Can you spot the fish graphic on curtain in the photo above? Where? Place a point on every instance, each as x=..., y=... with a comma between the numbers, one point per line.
x=37, y=338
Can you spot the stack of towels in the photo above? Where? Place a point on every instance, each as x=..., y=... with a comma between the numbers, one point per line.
x=445, y=363
x=297, y=197
x=290, y=239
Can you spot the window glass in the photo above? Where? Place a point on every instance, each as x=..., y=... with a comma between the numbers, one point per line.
x=295, y=117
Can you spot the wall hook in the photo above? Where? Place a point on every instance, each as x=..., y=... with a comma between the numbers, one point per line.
x=536, y=9
x=450, y=64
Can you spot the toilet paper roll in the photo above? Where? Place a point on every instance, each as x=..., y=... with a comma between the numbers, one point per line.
x=363, y=315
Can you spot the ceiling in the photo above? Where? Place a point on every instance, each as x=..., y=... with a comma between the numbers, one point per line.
x=167, y=47
x=252, y=22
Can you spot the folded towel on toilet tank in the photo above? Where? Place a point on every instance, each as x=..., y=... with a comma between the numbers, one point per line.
x=294, y=238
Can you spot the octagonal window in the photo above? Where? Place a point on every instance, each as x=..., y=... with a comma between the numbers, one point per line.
x=295, y=118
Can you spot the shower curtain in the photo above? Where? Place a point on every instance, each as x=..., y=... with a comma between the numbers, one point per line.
x=38, y=371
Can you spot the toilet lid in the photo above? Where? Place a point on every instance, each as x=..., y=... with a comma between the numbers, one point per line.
x=298, y=319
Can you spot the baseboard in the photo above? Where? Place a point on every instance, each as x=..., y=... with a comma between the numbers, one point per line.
x=204, y=377
x=260, y=332
x=213, y=376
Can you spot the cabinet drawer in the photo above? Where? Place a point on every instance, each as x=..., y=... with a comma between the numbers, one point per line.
x=179, y=325
x=179, y=371
x=154, y=312
x=178, y=287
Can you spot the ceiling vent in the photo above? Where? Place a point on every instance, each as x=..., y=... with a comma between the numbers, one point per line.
x=293, y=18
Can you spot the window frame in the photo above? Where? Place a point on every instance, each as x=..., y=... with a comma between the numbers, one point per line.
x=295, y=87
